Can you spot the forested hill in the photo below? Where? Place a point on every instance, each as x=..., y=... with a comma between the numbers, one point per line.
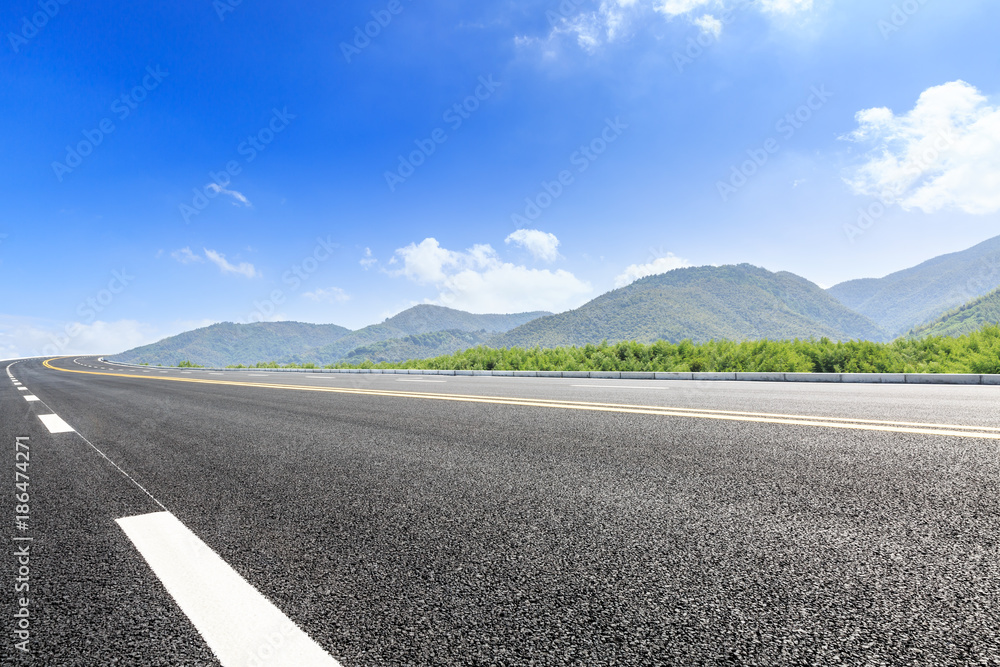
x=414, y=321
x=229, y=343
x=703, y=303
x=418, y=346
x=971, y=317
x=912, y=297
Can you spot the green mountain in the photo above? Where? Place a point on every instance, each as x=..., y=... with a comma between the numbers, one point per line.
x=915, y=296
x=704, y=303
x=973, y=316
x=414, y=321
x=419, y=346
x=228, y=343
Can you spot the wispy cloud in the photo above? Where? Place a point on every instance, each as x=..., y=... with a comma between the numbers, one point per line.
x=238, y=197
x=368, y=261
x=328, y=295
x=618, y=20
x=243, y=268
x=185, y=256
x=668, y=262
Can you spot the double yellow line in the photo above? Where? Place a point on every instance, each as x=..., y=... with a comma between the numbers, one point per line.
x=952, y=430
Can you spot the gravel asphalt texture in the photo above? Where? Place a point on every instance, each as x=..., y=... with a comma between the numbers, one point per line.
x=403, y=531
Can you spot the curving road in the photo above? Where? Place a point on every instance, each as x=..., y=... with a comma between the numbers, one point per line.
x=377, y=520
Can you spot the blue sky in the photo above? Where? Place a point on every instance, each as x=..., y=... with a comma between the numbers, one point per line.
x=170, y=166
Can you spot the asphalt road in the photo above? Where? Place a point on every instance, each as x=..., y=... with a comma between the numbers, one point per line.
x=505, y=521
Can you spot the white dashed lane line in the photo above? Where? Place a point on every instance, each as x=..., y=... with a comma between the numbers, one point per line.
x=240, y=625
x=30, y=398
x=55, y=424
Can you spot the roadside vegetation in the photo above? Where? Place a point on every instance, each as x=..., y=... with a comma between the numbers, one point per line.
x=976, y=352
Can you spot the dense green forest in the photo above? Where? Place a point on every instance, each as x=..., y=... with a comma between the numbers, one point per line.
x=965, y=319
x=906, y=299
x=976, y=352
x=704, y=303
x=420, y=346
x=227, y=343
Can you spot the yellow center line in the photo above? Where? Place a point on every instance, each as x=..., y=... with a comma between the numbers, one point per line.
x=983, y=432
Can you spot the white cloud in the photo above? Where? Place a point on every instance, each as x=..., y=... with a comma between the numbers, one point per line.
x=426, y=263
x=185, y=256
x=239, y=198
x=614, y=20
x=244, y=268
x=786, y=6
x=22, y=337
x=328, y=295
x=477, y=280
x=943, y=153
x=680, y=7
x=541, y=245
x=709, y=25
x=668, y=262
x=368, y=260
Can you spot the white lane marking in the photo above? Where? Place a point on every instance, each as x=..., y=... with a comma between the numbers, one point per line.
x=258, y=375
x=240, y=625
x=55, y=424
x=616, y=386
x=416, y=380
x=22, y=389
x=30, y=398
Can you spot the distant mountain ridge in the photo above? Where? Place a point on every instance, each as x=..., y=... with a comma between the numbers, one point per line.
x=946, y=295
x=230, y=344
x=227, y=343
x=415, y=321
x=701, y=303
x=909, y=298
x=418, y=346
x=970, y=317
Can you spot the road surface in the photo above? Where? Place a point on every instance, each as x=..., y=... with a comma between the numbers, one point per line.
x=398, y=520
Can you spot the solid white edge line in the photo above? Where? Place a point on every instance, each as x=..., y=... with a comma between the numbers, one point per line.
x=56, y=424
x=238, y=623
